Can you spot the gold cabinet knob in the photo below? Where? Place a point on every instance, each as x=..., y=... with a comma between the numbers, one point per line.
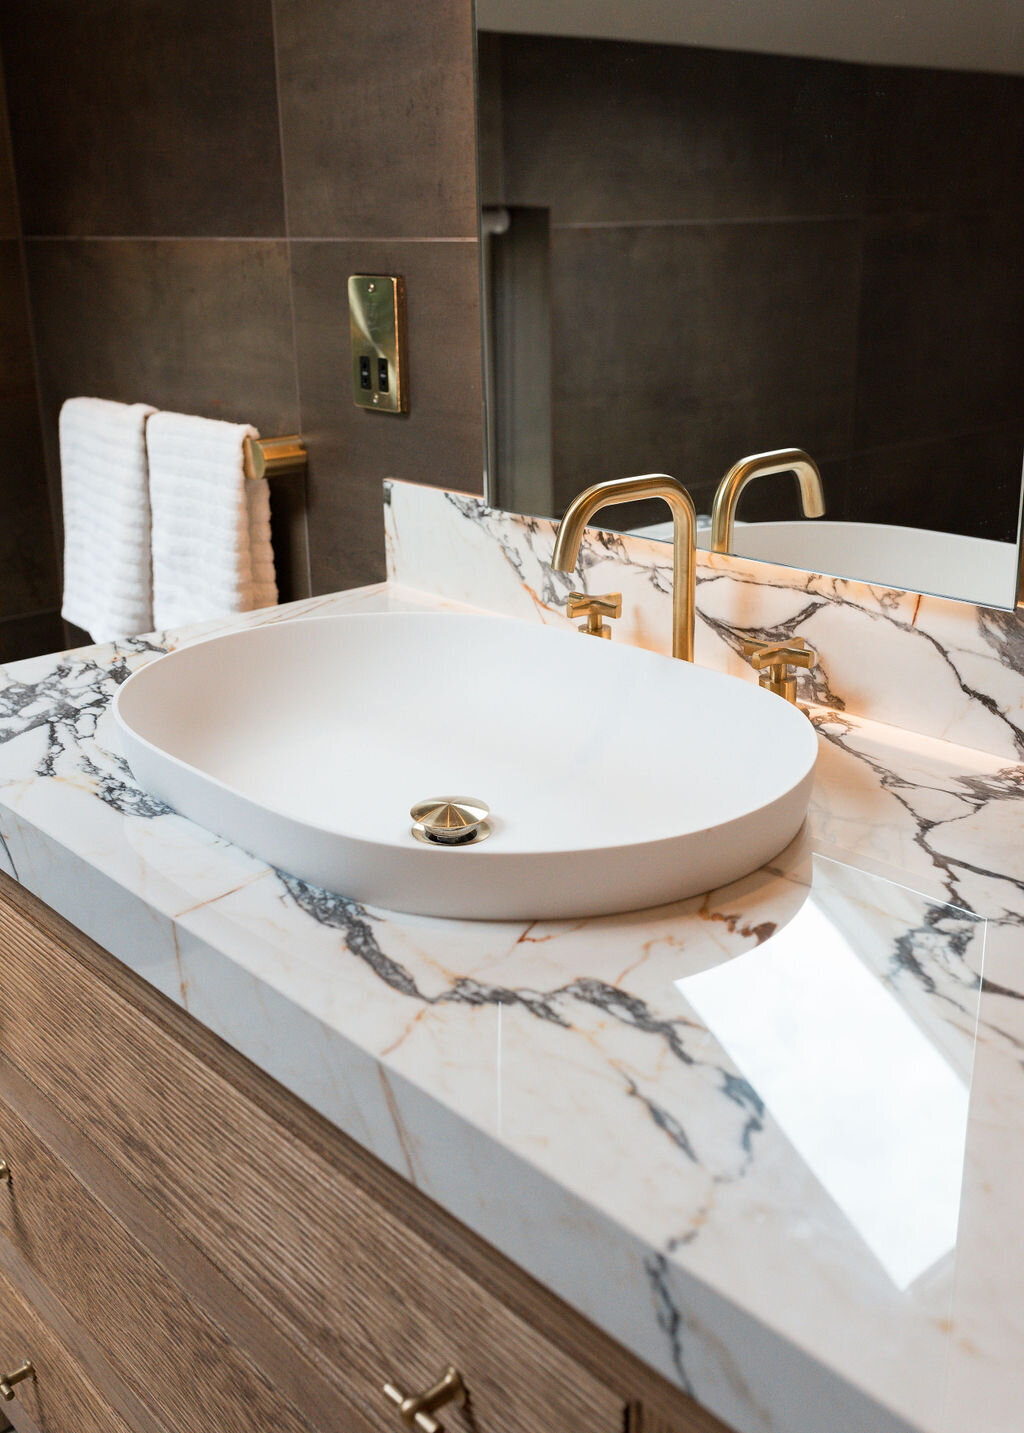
x=773, y=661
x=595, y=607
x=5, y=1172
x=7, y=1382
x=417, y=1409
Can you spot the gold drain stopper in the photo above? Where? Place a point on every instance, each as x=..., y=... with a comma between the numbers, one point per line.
x=451, y=820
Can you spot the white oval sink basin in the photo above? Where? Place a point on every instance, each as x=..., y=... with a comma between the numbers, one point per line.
x=616, y=778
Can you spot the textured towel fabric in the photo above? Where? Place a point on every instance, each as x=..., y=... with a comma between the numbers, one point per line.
x=211, y=525
x=107, y=588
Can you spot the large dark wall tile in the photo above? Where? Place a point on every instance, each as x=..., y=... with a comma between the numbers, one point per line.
x=680, y=349
x=28, y=636
x=199, y=326
x=28, y=564
x=490, y=119
x=440, y=439
x=968, y=484
x=29, y=580
x=8, y=197
x=147, y=145
x=611, y=131
x=378, y=119
x=940, y=337
x=944, y=142
x=144, y=117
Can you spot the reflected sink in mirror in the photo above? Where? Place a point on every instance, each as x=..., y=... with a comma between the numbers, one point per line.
x=948, y=564
x=616, y=778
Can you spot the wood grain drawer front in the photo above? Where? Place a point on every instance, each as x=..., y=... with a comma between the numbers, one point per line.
x=61, y=1399
x=175, y=1359
x=285, y=1216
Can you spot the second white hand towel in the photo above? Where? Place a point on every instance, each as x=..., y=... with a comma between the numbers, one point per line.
x=211, y=525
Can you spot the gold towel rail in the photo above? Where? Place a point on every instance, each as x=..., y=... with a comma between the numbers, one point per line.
x=271, y=457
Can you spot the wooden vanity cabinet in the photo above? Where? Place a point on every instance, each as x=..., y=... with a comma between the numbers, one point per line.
x=186, y=1246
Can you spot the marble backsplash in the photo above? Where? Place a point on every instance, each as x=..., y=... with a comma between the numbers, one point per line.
x=926, y=664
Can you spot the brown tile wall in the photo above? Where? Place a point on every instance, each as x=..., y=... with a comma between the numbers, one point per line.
x=29, y=587
x=198, y=179
x=753, y=251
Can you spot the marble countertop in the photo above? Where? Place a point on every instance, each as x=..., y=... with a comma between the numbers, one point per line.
x=771, y=1139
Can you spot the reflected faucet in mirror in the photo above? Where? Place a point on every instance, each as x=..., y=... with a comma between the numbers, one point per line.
x=761, y=465
x=684, y=533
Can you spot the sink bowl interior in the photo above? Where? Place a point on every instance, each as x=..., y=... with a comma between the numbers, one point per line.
x=307, y=742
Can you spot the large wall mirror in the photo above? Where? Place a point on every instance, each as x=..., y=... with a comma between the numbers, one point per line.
x=715, y=231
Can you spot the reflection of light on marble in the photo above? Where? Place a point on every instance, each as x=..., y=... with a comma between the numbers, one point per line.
x=869, y=1103
x=500, y=1111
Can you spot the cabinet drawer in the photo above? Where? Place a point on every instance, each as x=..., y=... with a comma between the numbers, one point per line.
x=289, y=1213
x=61, y=1398
x=148, y=1330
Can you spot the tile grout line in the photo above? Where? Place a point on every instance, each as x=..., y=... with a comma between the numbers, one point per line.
x=728, y=220
x=707, y=221
x=27, y=616
x=244, y=239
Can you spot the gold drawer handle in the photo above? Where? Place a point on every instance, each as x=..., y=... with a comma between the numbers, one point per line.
x=27, y=1370
x=5, y=1172
x=416, y=1408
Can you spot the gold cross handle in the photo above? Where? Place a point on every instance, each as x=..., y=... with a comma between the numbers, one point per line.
x=595, y=607
x=773, y=661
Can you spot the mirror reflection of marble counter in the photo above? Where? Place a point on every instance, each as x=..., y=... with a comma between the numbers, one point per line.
x=808, y=1213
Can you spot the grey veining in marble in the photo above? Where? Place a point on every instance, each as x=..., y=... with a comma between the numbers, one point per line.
x=553, y=1086
x=928, y=664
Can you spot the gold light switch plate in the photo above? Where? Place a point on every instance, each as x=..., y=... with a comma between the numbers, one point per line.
x=376, y=306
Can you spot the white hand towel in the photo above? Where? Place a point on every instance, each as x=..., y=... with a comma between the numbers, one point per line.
x=107, y=585
x=211, y=525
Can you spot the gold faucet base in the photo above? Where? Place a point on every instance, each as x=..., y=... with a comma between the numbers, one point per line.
x=595, y=607
x=772, y=661
x=784, y=687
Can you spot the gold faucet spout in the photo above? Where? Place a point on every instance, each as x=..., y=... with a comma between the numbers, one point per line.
x=684, y=523
x=760, y=465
